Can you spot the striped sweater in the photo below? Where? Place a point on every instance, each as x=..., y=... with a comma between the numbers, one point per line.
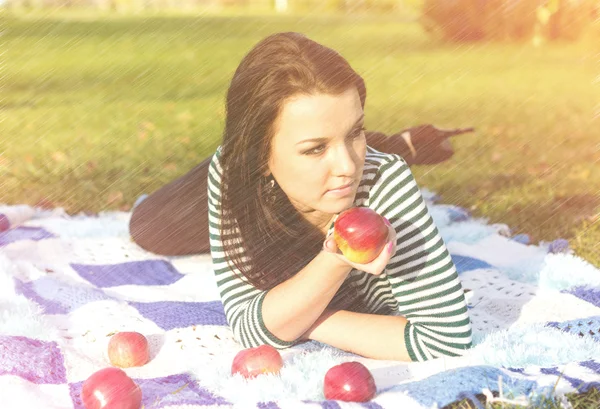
x=420, y=281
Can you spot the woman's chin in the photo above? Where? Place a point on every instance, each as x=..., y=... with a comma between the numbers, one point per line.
x=338, y=205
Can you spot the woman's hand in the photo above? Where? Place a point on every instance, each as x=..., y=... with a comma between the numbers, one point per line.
x=376, y=266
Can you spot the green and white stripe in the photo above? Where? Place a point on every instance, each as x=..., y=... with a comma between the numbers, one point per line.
x=422, y=276
x=420, y=282
x=241, y=301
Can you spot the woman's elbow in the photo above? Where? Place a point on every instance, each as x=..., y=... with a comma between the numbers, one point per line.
x=442, y=346
x=250, y=342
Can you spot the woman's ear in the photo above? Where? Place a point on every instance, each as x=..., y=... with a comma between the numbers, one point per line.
x=267, y=166
x=267, y=172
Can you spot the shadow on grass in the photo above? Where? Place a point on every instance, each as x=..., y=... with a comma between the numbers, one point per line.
x=563, y=212
x=559, y=216
x=483, y=188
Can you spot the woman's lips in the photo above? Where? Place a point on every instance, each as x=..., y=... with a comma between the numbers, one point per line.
x=343, y=191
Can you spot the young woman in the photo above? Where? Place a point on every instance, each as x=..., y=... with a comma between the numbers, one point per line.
x=293, y=156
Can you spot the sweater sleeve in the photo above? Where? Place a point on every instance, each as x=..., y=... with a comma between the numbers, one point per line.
x=422, y=275
x=242, y=302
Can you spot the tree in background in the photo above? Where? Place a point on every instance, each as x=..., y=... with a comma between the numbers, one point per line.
x=476, y=20
x=569, y=19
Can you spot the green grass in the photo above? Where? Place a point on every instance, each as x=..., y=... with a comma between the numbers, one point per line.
x=97, y=110
x=587, y=400
x=100, y=109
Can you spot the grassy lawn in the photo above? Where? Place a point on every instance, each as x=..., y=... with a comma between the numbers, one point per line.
x=100, y=109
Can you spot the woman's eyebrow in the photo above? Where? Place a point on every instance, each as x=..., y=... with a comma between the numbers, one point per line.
x=326, y=139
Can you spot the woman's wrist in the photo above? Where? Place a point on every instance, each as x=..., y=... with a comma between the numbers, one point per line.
x=338, y=266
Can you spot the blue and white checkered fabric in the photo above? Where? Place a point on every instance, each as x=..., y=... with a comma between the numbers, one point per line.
x=68, y=283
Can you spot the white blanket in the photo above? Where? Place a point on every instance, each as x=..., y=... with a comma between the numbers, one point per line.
x=68, y=283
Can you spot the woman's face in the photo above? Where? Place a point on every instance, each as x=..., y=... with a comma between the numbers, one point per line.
x=318, y=147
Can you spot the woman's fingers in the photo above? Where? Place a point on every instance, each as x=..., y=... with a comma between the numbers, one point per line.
x=387, y=221
x=378, y=265
x=332, y=246
x=375, y=267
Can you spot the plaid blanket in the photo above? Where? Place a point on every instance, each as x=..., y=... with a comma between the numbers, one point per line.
x=67, y=283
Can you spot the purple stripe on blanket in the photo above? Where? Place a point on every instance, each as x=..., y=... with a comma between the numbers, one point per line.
x=464, y=263
x=175, y=314
x=443, y=388
x=172, y=390
x=584, y=327
x=575, y=383
x=49, y=306
x=147, y=272
x=24, y=233
x=458, y=214
x=591, y=295
x=593, y=365
x=580, y=385
x=59, y=297
x=267, y=405
x=37, y=361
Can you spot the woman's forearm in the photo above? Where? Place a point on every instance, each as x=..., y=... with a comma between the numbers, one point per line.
x=293, y=306
x=369, y=335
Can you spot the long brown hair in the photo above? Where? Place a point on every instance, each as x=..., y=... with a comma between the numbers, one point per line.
x=277, y=240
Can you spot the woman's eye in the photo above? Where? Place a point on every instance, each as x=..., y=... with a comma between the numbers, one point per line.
x=359, y=132
x=319, y=149
x=315, y=151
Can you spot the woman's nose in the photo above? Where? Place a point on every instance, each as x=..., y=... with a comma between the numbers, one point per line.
x=344, y=163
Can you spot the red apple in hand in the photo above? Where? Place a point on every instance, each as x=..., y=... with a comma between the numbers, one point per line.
x=360, y=234
x=111, y=388
x=252, y=362
x=127, y=349
x=350, y=382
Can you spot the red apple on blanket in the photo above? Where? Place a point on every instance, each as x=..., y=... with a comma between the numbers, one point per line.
x=4, y=223
x=360, y=233
x=252, y=362
x=350, y=382
x=111, y=388
x=127, y=349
